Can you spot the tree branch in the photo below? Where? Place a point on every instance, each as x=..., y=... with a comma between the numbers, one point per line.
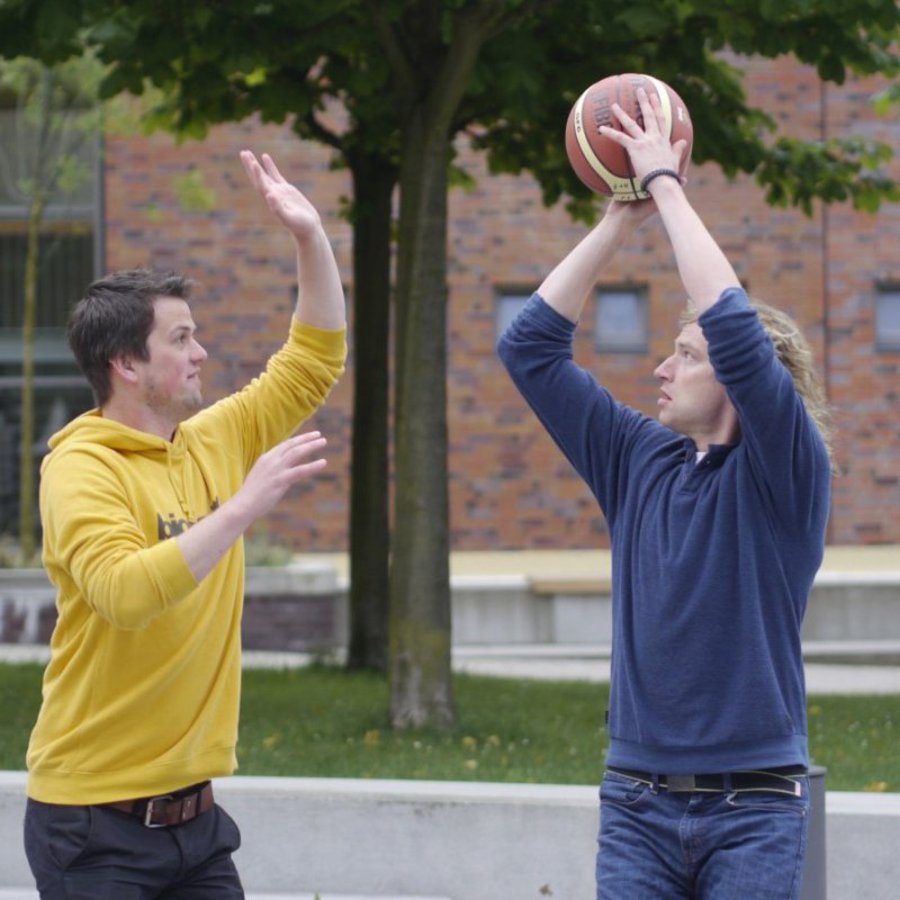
x=399, y=61
x=319, y=132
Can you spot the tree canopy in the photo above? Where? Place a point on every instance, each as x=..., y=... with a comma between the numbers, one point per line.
x=288, y=59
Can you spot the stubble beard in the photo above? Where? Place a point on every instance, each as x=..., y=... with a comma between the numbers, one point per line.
x=175, y=409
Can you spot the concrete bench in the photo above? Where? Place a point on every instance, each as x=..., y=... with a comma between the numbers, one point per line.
x=304, y=607
x=419, y=840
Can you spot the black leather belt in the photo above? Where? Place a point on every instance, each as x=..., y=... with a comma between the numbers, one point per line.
x=780, y=780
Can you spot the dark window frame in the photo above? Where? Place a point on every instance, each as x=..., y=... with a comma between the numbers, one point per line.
x=71, y=256
x=606, y=341
x=508, y=296
x=887, y=338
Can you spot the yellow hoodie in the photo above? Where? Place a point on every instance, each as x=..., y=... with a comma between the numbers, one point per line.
x=142, y=691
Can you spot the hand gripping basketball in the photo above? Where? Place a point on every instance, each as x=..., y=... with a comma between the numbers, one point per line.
x=602, y=163
x=649, y=149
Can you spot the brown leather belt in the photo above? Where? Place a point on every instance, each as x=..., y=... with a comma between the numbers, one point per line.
x=169, y=809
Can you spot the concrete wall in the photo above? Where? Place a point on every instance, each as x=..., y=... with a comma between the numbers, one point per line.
x=865, y=606
x=304, y=607
x=293, y=607
x=460, y=841
x=842, y=607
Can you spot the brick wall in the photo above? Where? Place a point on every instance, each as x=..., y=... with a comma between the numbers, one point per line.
x=510, y=487
x=861, y=252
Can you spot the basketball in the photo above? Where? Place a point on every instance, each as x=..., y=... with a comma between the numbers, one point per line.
x=601, y=164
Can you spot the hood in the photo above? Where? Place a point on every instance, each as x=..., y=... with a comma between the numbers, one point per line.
x=92, y=428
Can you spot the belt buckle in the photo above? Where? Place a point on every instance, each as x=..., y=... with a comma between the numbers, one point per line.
x=680, y=783
x=148, y=814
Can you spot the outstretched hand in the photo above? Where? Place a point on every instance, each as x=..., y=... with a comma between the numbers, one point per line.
x=297, y=214
x=268, y=481
x=279, y=469
x=649, y=147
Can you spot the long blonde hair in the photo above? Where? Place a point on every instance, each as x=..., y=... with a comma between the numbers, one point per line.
x=796, y=356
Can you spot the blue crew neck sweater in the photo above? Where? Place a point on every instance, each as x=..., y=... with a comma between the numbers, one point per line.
x=712, y=561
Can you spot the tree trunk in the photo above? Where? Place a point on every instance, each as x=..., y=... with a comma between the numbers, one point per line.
x=374, y=180
x=421, y=687
x=26, y=436
x=431, y=78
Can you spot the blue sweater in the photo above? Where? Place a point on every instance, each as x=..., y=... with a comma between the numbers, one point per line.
x=712, y=561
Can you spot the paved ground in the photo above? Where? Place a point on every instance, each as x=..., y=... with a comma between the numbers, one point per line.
x=855, y=676
x=845, y=667
x=29, y=894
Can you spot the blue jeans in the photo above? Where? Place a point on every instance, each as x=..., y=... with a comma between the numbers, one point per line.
x=97, y=853
x=657, y=845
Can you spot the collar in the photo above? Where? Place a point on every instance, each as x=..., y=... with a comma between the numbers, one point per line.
x=715, y=453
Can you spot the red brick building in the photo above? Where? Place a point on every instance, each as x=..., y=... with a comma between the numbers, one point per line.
x=837, y=272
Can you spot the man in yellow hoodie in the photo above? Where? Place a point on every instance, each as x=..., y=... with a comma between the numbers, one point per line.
x=144, y=502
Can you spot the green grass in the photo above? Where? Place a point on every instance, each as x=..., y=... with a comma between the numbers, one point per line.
x=326, y=723
x=321, y=722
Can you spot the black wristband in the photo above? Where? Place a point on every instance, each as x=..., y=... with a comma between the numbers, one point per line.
x=655, y=174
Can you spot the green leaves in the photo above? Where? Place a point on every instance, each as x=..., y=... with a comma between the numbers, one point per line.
x=281, y=60
x=796, y=173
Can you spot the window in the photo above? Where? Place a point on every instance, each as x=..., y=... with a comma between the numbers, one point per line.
x=509, y=305
x=620, y=323
x=68, y=254
x=887, y=318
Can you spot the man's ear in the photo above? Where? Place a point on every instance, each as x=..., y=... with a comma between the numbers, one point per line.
x=123, y=367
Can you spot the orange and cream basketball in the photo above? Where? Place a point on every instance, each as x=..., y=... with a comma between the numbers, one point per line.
x=601, y=164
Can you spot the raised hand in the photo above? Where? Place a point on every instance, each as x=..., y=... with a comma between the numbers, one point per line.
x=285, y=200
x=705, y=270
x=320, y=293
x=649, y=147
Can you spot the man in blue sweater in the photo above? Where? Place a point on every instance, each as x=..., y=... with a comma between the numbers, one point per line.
x=717, y=515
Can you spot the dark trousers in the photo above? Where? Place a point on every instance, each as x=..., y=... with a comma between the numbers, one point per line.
x=97, y=853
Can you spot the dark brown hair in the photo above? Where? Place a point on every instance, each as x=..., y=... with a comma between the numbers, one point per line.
x=115, y=317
